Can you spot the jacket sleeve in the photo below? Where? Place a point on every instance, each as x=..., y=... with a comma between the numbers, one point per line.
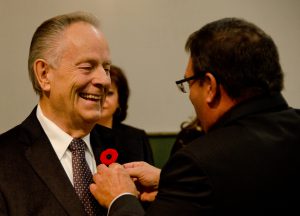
x=184, y=188
x=126, y=205
x=3, y=207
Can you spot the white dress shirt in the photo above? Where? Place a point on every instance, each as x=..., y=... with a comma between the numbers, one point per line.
x=60, y=141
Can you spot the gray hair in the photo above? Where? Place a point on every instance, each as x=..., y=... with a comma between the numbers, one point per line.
x=45, y=43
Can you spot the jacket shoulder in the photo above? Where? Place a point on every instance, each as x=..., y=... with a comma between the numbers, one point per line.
x=130, y=129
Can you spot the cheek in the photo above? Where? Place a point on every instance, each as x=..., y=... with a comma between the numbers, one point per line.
x=115, y=103
x=106, y=101
x=110, y=100
x=115, y=100
x=192, y=98
x=111, y=104
x=197, y=100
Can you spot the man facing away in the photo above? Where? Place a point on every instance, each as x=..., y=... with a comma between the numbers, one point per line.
x=247, y=162
x=68, y=64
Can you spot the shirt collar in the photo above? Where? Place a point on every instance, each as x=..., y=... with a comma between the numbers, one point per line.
x=59, y=139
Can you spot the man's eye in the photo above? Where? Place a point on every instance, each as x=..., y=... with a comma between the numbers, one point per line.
x=86, y=67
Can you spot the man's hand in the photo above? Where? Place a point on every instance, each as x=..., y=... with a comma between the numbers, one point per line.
x=146, y=178
x=110, y=182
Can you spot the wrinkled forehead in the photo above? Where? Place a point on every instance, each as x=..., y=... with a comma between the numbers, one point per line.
x=85, y=39
x=82, y=32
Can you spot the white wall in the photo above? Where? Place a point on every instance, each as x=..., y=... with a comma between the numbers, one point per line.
x=147, y=40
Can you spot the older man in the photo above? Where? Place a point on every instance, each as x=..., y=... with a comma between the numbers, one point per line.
x=46, y=162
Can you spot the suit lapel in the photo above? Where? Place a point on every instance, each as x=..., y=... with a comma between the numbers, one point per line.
x=44, y=161
x=96, y=145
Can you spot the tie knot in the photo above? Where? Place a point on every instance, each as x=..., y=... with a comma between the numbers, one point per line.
x=77, y=145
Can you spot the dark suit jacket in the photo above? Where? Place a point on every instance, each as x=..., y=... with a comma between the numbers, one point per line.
x=131, y=143
x=32, y=179
x=248, y=164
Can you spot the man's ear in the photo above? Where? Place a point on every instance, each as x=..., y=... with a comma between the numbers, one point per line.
x=41, y=70
x=212, y=96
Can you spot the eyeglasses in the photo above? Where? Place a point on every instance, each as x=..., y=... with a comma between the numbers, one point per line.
x=183, y=84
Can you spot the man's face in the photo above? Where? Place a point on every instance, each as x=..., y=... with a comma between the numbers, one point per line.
x=79, y=80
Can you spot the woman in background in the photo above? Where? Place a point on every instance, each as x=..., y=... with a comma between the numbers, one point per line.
x=132, y=144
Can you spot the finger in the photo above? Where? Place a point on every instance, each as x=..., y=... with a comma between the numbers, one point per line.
x=135, y=172
x=101, y=167
x=133, y=164
x=96, y=177
x=148, y=197
x=114, y=165
x=93, y=189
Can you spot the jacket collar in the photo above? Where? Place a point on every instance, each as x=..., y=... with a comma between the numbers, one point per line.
x=44, y=161
x=252, y=106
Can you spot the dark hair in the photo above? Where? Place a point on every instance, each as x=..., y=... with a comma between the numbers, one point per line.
x=45, y=43
x=119, y=79
x=189, y=131
x=191, y=124
x=244, y=58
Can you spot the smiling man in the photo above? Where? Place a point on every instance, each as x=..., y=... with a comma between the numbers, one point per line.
x=46, y=162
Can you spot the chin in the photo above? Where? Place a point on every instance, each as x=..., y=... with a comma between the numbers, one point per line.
x=92, y=118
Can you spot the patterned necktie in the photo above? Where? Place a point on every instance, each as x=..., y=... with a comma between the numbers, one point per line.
x=82, y=177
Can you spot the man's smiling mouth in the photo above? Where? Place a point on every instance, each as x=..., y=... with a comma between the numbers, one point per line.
x=91, y=97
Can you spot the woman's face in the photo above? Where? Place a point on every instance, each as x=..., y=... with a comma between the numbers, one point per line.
x=111, y=102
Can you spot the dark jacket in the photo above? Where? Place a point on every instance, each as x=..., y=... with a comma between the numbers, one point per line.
x=247, y=164
x=32, y=179
x=132, y=144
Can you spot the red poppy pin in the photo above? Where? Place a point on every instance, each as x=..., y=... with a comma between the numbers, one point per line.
x=109, y=156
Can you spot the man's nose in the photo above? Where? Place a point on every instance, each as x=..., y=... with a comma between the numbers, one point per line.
x=101, y=77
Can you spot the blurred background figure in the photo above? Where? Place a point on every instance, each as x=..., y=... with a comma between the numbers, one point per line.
x=132, y=144
x=189, y=130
